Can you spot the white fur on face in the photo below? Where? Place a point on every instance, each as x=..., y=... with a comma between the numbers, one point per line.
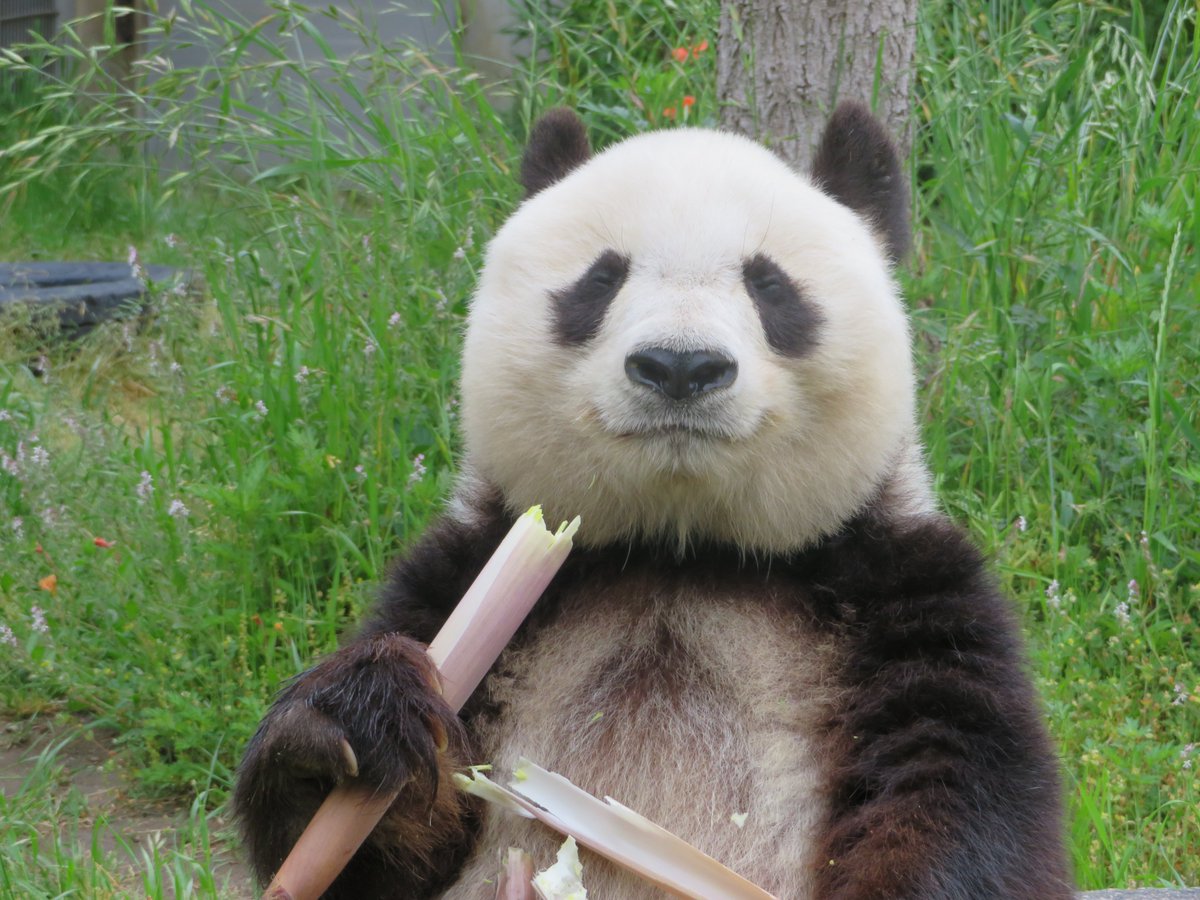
x=783, y=455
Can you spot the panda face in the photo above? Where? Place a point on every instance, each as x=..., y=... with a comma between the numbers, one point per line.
x=683, y=340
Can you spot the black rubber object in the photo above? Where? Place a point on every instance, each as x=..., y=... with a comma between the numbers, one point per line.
x=82, y=294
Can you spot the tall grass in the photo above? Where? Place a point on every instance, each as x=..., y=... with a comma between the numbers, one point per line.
x=252, y=454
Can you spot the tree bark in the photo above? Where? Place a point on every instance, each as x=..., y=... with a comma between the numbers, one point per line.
x=782, y=66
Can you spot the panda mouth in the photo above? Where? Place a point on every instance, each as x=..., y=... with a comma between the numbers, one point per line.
x=674, y=430
x=676, y=426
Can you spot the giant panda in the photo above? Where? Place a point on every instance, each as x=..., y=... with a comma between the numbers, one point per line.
x=703, y=354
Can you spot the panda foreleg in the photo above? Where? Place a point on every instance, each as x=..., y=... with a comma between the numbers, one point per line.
x=370, y=711
x=367, y=712
x=943, y=780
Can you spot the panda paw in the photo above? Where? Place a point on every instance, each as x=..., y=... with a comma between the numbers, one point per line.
x=371, y=711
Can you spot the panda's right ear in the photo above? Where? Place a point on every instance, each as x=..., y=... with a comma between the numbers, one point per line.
x=857, y=164
x=557, y=144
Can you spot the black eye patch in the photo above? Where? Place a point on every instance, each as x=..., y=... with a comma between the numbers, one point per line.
x=791, y=322
x=579, y=308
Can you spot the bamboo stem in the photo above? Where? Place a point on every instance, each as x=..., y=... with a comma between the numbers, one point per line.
x=516, y=878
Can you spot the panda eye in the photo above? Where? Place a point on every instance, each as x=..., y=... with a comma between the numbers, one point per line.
x=790, y=321
x=605, y=275
x=580, y=308
x=764, y=280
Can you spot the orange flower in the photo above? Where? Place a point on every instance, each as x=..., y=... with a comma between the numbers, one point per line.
x=700, y=48
x=49, y=583
x=669, y=112
x=103, y=544
x=680, y=54
x=689, y=100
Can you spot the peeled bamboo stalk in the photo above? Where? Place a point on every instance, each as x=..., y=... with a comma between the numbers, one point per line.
x=614, y=831
x=477, y=631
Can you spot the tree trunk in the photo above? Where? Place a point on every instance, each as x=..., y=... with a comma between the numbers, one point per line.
x=782, y=66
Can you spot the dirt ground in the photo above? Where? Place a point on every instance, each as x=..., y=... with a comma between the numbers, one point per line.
x=83, y=766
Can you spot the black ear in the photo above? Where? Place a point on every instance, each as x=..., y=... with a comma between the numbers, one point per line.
x=557, y=144
x=857, y=165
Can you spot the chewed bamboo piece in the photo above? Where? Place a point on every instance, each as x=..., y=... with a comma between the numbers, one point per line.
x=477, y=631
x=614, y=831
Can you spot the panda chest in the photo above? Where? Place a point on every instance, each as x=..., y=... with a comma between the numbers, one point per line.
x=694, y=709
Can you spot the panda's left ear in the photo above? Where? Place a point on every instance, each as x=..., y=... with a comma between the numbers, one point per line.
x=557, y=144
x=857, y=164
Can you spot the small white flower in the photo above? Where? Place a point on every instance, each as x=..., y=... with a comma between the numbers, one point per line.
x=18, y=526
x=178, y=510
x=171, y=240
x=135, y=264
x=418, y=469
x=10, y=465
x=394, y=320
x=176, y=368
x=1122, y=613
x=223, y=394
x=145, y=487
x=460, y=253
x=1053, y=597
x=366, y=243
x=1021, y=524
x=369, y=348
x=7, y=636
x=1181, y=695
x=40, y=456
x=6, y=416
x=1134, y=590
x=261, y=408
x=302, y=374
x=360, y=471
x=39, y=620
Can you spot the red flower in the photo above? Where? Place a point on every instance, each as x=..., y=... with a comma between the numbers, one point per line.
x=689, y=100
x=680, y=54
x=700, y=48
x=669, y=112
x=103, y=544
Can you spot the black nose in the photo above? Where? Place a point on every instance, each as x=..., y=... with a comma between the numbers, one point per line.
x=680, y=376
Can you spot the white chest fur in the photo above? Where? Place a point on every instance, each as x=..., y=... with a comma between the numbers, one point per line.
x=686, y=707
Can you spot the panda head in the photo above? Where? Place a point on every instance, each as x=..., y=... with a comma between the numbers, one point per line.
x=683, y=340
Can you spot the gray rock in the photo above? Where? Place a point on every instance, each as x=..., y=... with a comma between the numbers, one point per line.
x=81, y=295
